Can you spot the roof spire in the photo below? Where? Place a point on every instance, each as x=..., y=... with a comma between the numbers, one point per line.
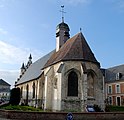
x=23, y=66
x=62, y=11
x=30, y=57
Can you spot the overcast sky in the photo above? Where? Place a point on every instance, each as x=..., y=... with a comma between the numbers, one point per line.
x=28, y=26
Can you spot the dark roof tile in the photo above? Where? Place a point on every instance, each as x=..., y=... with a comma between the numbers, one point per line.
x=76, y=48
x=110, y=74
x=2, y=82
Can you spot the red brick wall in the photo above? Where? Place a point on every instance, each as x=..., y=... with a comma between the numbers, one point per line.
x=113, y=89
x=122, y=100
x=114, y=94
x=122, y=88
x=114, y=100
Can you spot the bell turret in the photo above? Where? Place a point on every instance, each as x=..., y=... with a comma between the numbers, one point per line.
x=62, y=32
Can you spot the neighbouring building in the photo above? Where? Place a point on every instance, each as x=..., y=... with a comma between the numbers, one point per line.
x=67, y=78
x=114, y=85
x=4, y=90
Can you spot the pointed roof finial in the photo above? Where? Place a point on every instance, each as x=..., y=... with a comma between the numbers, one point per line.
x=30, y=57
x=23, y=66
x=62, y=11
x=80, y=29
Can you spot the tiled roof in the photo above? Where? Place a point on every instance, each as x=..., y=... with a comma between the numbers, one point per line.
x=76, y=48
x=2, y=82
x=110, y=74
x=34, y=71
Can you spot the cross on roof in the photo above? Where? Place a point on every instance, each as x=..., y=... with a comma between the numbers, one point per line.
x=62, y=11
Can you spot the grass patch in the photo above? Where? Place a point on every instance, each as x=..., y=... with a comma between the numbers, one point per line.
x=21, y=108
x=112, y=108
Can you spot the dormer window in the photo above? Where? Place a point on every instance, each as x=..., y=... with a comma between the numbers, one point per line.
x=118, y=76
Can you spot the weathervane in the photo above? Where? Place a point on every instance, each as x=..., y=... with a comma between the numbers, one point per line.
x=62, y=11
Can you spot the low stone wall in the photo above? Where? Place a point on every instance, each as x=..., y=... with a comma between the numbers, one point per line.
x=20, y=115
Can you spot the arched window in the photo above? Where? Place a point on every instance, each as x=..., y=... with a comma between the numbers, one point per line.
x=72, y=84
x=90, y=81
x=33, y=90
x=27, y=92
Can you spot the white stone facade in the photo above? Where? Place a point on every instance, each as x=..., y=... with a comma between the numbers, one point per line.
x=70, y=78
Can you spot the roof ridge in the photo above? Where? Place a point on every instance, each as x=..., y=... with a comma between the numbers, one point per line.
x=37, y=66
x=115, y=66
x=4, y=82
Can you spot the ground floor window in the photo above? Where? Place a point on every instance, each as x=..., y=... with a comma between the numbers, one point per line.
x=72, y=84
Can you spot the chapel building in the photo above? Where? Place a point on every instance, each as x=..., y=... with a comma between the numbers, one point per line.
x=67, y=78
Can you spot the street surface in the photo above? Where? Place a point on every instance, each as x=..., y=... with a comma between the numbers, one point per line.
x=1, y=118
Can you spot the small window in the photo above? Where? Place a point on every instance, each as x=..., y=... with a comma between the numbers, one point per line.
x=109, y=89
x=117, y=88
x=110, y=100
x=118, y=76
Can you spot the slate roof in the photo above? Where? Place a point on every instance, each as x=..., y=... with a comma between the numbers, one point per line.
x=2, y=82
x=76, y=48
x=34, y=71
x=110, y=74
x=4, y=90
x=63, y=25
